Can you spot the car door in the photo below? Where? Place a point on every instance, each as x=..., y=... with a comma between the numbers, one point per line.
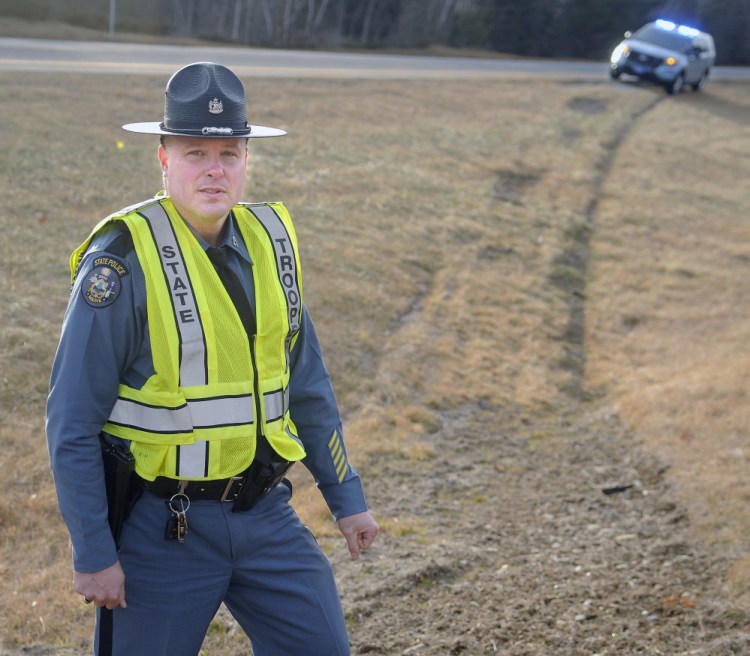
x=696, y=62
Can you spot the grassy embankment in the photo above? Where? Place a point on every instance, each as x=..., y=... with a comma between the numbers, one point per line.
x=424, y=211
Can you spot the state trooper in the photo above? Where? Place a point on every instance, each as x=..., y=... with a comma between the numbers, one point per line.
x=187, y=347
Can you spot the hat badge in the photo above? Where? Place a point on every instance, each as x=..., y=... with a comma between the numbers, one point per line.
x=215, y=106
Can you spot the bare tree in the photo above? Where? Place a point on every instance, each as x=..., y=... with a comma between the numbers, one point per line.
x=447, y=9
x=286, y=26
x=236, y=20
x=364, y=35
x=267, y=19
x=314, y=20
x=309, y=20
x=184, y=15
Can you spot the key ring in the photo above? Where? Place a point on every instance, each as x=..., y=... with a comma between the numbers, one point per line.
x=182, y=498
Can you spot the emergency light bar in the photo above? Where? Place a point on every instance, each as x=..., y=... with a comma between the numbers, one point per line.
x=669, y=26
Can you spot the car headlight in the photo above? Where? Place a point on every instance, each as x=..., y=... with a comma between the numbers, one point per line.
x=618, y=53
x=670, y=61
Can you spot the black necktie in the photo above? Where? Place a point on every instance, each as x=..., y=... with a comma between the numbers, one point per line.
x=232, y=284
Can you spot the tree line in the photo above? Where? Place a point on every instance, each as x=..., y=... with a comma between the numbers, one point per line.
x=536, y=28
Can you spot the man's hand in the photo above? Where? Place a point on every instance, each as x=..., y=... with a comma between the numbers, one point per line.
x=106, y=588
x=360, y=531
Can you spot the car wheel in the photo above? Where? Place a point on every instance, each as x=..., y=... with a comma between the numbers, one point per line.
x=614, y=73
x=698, y=86
x=676, y=85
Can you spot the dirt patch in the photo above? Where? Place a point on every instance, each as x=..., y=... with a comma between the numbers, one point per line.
x=537, y=536
x=527, y=535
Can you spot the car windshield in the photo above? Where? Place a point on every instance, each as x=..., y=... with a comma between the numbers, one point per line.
x=664, y=38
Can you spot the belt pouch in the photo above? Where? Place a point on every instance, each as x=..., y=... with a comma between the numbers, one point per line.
x=119, y=467
x=261, y=479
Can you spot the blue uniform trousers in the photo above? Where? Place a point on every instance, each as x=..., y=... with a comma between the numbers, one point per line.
x=264, y=564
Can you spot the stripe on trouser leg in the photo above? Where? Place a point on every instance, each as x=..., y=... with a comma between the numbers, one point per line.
x=104, y=631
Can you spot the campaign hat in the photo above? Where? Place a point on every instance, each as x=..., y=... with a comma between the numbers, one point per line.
x=205, y=100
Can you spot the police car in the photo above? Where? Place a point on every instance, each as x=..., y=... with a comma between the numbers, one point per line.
x=665, y=53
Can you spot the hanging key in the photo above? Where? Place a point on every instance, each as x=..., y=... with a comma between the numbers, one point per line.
x=182, y=528
x=177, y=526
x=170, y=532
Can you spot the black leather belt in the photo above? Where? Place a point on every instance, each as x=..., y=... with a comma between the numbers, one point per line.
x=224, y=489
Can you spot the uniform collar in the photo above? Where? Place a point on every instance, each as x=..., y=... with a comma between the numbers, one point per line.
x=232, y=239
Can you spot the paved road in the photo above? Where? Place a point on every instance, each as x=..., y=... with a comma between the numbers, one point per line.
x=105, y=57
x=78, y=56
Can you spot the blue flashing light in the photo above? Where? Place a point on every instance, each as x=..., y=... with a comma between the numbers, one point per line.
x=665, y=24
x=688, y=31
x=669, y=26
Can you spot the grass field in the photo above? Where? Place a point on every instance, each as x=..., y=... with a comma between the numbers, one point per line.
x=425, y=211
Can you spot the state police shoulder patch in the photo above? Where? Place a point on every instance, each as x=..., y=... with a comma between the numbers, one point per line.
x=102, y=286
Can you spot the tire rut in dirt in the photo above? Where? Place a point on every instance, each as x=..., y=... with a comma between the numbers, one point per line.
x=570, y=267
x=544, y=535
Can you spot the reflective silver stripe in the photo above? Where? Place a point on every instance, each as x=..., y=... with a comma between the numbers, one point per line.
x=197, y=413
x=227, y=411
x=286, y=263
x=156, y=420
x=192, y=460
x=275, y=405
x=193, y=368
x=293, y=436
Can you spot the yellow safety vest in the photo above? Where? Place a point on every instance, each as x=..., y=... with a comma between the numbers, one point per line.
x=214, y=390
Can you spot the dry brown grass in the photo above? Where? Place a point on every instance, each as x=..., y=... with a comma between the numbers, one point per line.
x=669, y=297
x=426, y=211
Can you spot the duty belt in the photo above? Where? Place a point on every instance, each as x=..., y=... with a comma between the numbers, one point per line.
x=243, y=490
x=224, y=489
